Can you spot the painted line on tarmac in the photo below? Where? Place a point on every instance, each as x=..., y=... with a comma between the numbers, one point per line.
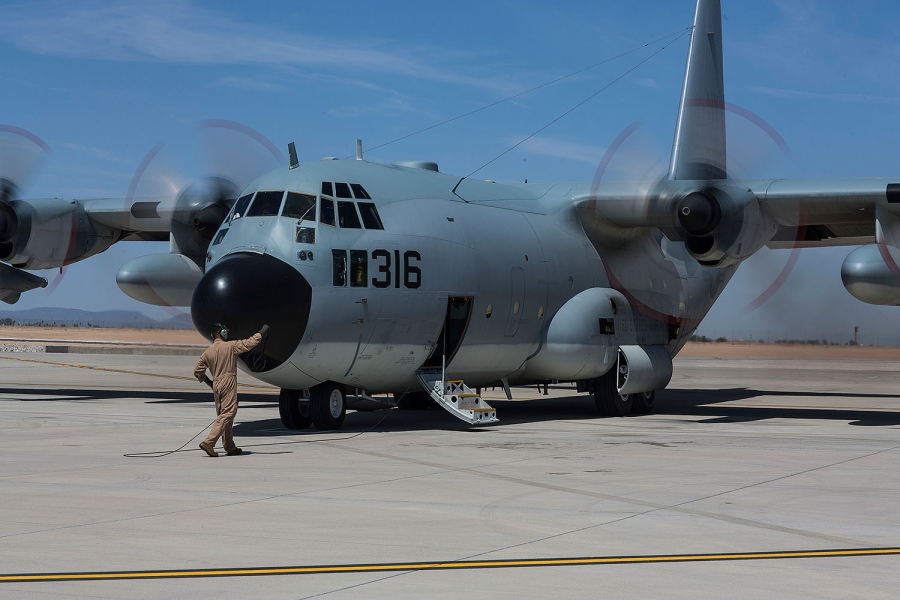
x=442, y=566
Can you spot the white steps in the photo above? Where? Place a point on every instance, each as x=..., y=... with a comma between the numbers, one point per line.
x=457, y=398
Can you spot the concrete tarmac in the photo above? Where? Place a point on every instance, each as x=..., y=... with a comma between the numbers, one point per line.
x=745, y=462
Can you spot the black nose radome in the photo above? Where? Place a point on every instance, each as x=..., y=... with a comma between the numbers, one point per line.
x=245, y=291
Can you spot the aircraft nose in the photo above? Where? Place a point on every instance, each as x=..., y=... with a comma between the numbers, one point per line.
x=244, y=291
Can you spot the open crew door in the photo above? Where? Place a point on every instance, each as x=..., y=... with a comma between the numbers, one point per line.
x=454, y=396
x=459, y=310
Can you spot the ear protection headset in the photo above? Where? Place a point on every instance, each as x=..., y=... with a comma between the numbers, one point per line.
x=220, y=329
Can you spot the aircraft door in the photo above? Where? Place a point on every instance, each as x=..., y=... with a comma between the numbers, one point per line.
x=459, y=311
x=516, y=302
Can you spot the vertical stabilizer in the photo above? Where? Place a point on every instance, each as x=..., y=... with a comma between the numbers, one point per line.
x=698, y=151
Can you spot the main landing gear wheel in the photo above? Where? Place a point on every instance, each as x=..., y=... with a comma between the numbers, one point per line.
x=327, y=406
x=610, y=403
x=294, y=410
x=642, y=404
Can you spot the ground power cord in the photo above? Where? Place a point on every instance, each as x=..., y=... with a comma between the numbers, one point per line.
x=163, y=453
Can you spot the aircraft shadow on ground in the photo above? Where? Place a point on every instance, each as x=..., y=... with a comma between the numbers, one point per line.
x=709, y=405
x=151, y=396
x=705, y=404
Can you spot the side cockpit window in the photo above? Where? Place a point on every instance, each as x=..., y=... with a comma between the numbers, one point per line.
x=370, y=217
x=349, y=214
x=342, y=190
x=347, y=217
x=219, y=237
x=327, y=210
x=339, y=266
x=240, y=207
x=265, y=204
x=359, y=192
x=359, y=268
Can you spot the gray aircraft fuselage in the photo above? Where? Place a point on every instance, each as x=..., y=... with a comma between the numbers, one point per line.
x=490, y=265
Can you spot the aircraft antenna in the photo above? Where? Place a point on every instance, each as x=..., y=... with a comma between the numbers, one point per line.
x=683, y=33
x=292, y=153
x=677, y=34
x=358, y=149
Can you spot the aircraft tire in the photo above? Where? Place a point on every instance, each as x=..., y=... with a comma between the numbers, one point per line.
x=610, y=403
x=293, y=410
x=642, y=404
x=327, y=406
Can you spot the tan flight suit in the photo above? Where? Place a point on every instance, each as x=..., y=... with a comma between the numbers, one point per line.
x=221, y=360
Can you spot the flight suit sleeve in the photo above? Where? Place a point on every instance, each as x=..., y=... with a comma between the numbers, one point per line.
x=200, y=369
x=250, y=343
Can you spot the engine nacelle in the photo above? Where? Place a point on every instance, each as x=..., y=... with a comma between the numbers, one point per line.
x=160, y=279
x=871, y=274
x=50, y=233
x=576, y=345
x=199, y=211
x=723, y=225
x=643, y=369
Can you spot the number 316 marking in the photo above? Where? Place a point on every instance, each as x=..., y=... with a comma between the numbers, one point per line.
x=390, y=272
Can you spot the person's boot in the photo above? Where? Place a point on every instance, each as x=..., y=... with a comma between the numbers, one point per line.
x=235, y=452
x=208, y=448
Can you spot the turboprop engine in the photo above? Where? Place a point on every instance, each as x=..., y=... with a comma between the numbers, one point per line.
x=49, y=233
x=722, y=225
x=169, y=279
x=719, y=223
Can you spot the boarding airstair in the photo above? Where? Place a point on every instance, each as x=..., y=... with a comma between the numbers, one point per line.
x=457, y=398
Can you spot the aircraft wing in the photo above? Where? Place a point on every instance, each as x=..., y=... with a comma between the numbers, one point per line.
x=146, y=219
x=811, y=213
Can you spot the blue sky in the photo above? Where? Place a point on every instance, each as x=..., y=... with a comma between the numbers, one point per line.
x=103, y=82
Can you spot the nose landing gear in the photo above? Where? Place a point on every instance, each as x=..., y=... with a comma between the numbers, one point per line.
x=325, y=408
x=294, y=409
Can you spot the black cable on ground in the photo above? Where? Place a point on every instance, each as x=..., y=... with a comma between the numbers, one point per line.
x=162, y=453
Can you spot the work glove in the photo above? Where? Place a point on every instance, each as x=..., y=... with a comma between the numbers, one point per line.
x=264, y=330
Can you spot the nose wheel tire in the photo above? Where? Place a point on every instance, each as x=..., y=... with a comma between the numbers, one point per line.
x=293, y=409
x=610, y=403
x=327, y=406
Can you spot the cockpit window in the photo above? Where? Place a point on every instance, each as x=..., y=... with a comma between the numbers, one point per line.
x=370, y=216
x=342, y=190
x=347, y=216
x=326, y=189
x=266, y=204
x=299, y=206
x=359, y=268
x=360, y=192
x=219, y=237
x=327, y=216
x=339, y=268
x=240, y=207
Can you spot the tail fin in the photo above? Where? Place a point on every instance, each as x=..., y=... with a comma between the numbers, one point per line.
x=698, y=151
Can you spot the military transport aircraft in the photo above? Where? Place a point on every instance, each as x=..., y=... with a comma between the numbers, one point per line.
x=397, y=278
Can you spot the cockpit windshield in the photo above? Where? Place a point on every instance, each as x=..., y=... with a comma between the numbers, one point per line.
x=266, y=204
x=299, y=206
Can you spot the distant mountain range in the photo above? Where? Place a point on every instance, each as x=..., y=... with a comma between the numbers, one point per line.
x=73, y=317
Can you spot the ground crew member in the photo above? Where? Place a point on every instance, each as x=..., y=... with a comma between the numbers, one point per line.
x=221, y=360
